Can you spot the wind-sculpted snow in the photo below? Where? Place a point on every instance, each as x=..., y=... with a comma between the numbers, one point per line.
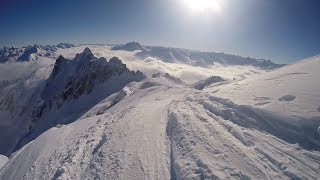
x=215, y=138
x=172, y=132
x=293, y=90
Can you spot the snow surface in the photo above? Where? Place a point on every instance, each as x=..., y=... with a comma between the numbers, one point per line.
x=172, y=132
x=294, y=89
x=161, y=129
x=3, y=160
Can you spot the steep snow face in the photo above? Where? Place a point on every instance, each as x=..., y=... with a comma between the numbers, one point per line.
x=170, y=132
x=73, y=88
x=293, y=89
x=51, y=93
x=19, y=81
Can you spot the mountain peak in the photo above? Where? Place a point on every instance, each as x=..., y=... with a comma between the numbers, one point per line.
x=65, y=45
x=115, y=60
x=131, y=46
x=57, y=66
x=133, y=43
x=85, y=56
x=86, y=51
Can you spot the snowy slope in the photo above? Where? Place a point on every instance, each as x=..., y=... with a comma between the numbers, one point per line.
x=172, y=132
x=3, y=160
x=96, y=119
x=21, y=84
x=23, y=80
x=294, y=89
x=30, y=106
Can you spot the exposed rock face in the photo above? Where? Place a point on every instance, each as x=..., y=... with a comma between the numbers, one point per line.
x=168, y=77
x=72, y=79
x=27, y=53
x=57, y=66
x=207, y=82
x=172, y=78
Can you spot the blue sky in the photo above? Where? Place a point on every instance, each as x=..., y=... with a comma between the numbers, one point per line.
x=280, y=30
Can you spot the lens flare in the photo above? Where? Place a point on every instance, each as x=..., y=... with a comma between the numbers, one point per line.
x=204, y=6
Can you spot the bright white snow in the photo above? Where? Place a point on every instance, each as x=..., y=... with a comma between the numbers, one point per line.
x=164, y=132
x=3, y=160
x=294, y=89
x=158, y=129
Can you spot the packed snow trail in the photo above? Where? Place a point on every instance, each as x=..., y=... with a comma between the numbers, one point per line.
x=213, y=138
x=173, y=132
x=127, y=142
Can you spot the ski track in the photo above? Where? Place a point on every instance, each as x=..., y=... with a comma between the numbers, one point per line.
x=164, y=133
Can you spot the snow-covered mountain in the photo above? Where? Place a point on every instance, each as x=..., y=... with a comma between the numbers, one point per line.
x=193, y=57
x=73, y=87
x=30, y=53
x=131, y=46
x=161, y=128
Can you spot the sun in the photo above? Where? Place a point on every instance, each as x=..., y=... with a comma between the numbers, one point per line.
x=204, y=6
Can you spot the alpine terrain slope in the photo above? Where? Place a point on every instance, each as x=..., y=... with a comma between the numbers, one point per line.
x=71, y=89
x=93, y=118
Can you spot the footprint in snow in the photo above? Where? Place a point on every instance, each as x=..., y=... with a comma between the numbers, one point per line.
x=192, y=143
x=287, y=98
x=260, y=101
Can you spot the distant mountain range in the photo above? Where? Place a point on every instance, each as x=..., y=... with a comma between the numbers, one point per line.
x=194, y=57
x=30, y=53
x=166, y=54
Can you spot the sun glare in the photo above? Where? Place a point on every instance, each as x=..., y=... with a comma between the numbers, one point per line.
x=204, y=6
